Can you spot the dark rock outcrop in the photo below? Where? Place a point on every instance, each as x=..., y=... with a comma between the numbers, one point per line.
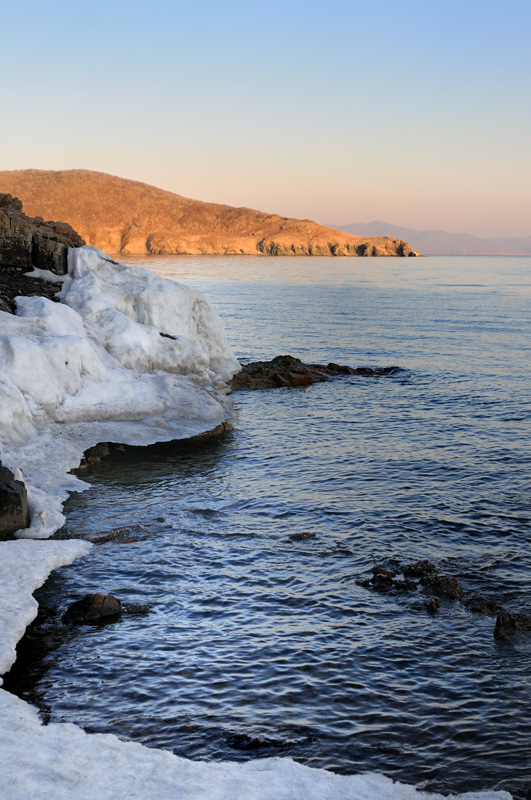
x=26, y=243
x=14, y=511
x=289, y=371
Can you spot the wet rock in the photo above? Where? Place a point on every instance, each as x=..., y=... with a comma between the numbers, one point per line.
x=92, y=608
x=405, y=586
x=136, y=609
x=420, y=569
x=444, y=586
x=14, y=510
x=290, y=371
x=128, y=534
x=241, y=741
x=483, y=605
x=381, y=581
x=508, y=624
x=433, y=605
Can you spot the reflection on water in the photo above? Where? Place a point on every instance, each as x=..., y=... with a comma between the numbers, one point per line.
x=510, y=273
x=261, y=645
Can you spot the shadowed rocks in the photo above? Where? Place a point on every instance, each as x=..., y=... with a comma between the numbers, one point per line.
x=27, y=243
x=14, y=510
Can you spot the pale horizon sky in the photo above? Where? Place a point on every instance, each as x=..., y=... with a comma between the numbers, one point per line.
x=416, y=113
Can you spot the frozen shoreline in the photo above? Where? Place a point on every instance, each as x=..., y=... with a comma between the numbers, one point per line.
x=132, y=358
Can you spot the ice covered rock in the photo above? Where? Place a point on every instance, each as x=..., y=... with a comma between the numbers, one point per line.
x=125, y=357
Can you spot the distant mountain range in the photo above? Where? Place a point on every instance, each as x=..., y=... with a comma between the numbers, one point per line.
x=434, y=242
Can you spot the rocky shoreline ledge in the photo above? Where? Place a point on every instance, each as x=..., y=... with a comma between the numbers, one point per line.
x=60, y=360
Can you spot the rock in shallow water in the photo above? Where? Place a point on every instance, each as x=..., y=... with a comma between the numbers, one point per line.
x=288, y=371
x=92, y=608
x=507, y=624
x=99, y=608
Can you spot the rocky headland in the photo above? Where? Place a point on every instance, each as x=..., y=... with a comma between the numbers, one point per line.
x=128, y=217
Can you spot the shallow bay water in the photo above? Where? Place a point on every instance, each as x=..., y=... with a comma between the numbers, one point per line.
x=261, y=645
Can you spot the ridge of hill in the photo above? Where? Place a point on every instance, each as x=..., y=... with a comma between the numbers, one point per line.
x=437, y=242
x=118, y=215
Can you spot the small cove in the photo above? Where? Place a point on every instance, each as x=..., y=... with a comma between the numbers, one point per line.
x=259, y=645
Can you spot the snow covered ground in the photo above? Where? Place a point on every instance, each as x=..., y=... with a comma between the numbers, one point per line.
x=126, y=357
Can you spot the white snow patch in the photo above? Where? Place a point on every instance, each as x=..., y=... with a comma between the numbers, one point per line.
x=126, y=357
x=45, y=274
x=60, y=761
x=24, y=566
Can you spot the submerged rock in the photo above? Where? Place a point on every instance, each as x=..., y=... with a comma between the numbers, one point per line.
x=302, y=536
x=287, y=370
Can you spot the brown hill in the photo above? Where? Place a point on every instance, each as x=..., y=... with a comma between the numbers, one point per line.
x=123, y=216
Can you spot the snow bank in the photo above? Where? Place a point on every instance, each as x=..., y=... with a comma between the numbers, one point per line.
x=62, y=762
x=24, y=566
x=126, y=357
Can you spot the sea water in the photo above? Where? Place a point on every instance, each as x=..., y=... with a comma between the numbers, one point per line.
x=263, y=643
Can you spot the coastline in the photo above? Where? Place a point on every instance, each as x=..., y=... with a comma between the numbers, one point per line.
x=42, y=761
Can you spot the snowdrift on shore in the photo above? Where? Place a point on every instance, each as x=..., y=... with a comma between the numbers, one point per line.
x=62, y=762
x=126, y=357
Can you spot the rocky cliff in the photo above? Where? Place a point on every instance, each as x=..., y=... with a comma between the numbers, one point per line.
x=123, y=216
x=27, y=243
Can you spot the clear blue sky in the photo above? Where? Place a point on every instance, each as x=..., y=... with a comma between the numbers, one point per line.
x=415, y=112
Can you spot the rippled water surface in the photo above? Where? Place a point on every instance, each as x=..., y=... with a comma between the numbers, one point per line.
x=262, y=645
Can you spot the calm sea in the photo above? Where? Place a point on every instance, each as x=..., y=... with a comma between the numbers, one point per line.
x=261, y=645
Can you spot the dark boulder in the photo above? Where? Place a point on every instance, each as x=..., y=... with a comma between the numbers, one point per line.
x=98, y=608
x=92, y=608
x=14, y=510
x=508, y=624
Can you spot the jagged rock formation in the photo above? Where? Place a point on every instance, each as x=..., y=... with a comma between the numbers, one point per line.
x=26, y=243
x=123, y=216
